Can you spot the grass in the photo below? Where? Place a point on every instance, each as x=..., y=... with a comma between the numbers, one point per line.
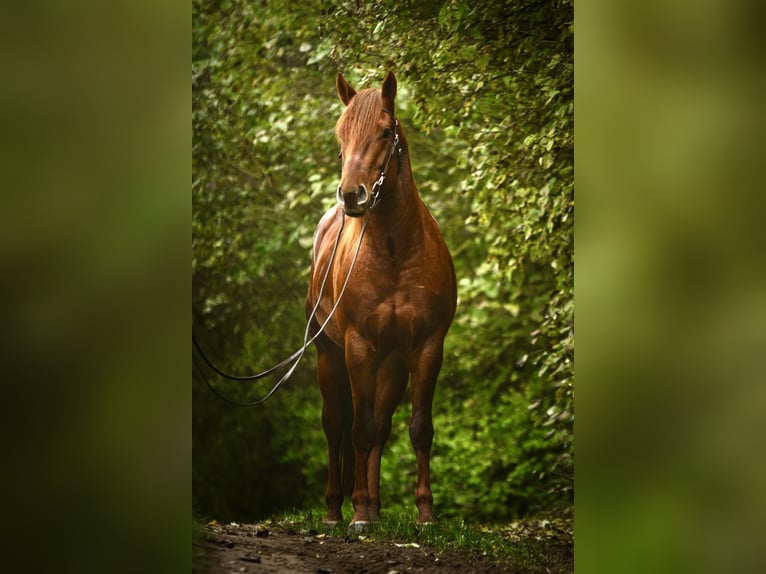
x=535, y=545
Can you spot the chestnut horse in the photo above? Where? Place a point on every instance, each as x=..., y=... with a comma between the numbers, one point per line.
x=397, y=306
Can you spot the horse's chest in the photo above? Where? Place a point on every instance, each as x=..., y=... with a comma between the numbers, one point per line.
x=396, y=321
x=391, y=301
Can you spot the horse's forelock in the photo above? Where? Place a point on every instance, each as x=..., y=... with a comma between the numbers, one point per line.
x=360, y=117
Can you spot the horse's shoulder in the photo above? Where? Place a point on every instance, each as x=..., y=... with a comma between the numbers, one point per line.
x=329, y=221
x=431, y=225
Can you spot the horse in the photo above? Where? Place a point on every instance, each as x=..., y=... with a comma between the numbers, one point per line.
x=396, y=307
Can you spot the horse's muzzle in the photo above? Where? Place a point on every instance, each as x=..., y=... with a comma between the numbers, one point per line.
x=355, y=202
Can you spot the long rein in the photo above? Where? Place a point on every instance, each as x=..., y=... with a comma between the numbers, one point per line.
x=298, y=355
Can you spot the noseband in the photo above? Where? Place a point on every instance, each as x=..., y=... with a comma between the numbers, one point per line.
x=379, y=182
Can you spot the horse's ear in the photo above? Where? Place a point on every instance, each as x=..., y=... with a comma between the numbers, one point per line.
x=345, y=91
x=389, y=88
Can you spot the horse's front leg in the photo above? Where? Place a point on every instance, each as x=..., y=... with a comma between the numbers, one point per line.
x=361, y=365
x=424, y=378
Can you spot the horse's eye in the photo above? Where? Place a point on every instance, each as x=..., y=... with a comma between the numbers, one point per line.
x=340, y=154
x=386, y=133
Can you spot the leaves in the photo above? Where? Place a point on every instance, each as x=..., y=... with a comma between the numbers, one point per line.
x=486, y=96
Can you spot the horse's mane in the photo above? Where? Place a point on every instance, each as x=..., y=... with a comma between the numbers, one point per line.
x=360, y=117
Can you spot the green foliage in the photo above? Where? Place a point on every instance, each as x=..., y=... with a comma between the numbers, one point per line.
x=262, y=145
x=486, y=97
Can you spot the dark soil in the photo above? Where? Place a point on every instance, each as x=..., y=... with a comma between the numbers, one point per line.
x=255, y=549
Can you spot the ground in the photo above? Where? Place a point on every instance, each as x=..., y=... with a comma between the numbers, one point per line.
x=257, y=549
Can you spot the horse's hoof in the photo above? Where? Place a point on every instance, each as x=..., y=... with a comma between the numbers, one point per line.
x=330, y=523
x=359, y=526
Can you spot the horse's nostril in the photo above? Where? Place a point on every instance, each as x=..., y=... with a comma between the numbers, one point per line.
x=339, y=197
x=363, y=195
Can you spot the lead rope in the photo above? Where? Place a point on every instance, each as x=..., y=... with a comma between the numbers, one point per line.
x=298, y=355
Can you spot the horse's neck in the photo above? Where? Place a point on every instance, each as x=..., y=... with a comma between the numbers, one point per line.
x=400, y=207
x=400, y=212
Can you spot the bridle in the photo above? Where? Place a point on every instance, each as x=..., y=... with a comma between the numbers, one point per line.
x=394, y=148
x=376, y=187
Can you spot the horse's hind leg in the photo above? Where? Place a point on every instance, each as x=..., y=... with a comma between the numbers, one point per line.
x=424, y=378
x=336, y=422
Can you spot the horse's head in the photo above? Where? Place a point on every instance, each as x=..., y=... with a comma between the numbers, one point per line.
x=368, y=135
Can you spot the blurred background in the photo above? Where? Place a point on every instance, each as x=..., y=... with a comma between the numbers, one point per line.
x=671, y=287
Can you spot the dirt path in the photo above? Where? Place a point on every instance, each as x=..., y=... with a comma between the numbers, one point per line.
x=256, y=550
